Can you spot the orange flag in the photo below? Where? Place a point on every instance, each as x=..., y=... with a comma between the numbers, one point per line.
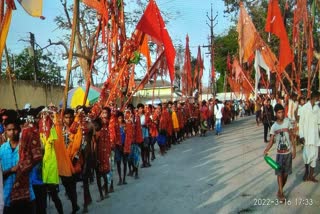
x=4, y=28
x=152, y=24
x=65, y=167
x=144, y=49
x=275, y=25
x=247, y=35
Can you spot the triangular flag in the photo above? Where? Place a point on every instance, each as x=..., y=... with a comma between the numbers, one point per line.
x=152, y=24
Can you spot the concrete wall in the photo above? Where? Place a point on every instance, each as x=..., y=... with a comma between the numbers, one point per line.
x=29, y=92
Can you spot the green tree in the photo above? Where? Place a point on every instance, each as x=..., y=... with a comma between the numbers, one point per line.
x=224, y=45
x=25, y=66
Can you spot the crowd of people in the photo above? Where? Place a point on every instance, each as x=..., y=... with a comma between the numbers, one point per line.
x=45, y=146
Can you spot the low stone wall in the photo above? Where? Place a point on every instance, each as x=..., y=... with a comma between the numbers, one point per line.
x=29, y=92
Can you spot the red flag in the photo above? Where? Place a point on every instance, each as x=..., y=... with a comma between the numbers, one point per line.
x=187, y=80
x=275, y=25
x=152, y=24
x=300, y=14
x=213, y=71
x=195, y=77
x=201, y=67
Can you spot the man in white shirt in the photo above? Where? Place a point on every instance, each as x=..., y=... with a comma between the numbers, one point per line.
x=309, y=135
x=218, y=108
x=273, y=100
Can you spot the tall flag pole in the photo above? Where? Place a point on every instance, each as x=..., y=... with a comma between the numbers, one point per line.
x=72, y=41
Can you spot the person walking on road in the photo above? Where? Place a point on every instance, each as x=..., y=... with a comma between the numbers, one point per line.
x=309, y=136
x=282, y=134
x=218, y=108
x=267, y=118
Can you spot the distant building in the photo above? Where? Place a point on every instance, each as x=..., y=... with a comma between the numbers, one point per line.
x=156, y=92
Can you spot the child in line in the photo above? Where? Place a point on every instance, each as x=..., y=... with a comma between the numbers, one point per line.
x=282, y=134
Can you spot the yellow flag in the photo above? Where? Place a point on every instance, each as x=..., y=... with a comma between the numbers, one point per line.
x=4, y=29
x=33, y=7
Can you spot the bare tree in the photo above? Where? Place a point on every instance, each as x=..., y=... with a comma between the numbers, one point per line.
x=85, y=37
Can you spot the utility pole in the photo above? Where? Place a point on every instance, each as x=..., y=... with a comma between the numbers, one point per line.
x=211, y=48
x=32, y=43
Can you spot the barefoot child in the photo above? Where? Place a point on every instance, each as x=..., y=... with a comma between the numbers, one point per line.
x=281, y=134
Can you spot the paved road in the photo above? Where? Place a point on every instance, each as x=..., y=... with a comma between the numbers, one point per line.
x=212, y=174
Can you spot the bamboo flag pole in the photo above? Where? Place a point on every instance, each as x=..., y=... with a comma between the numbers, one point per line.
x=73, y=35
x=1, y=19
x=1, y=10
x=94, y=53
x=10, y=77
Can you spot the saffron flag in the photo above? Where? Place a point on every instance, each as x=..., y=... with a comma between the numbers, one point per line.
x=33, y=7
x=275, y=25
x=247, y=35
x=152, y=24
x=4, y=28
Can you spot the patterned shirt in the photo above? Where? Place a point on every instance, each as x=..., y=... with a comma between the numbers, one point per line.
x=8, y=158
x=282, y=135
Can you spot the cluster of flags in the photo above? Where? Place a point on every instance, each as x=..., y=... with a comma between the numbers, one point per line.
x=191, y=81
x=151, y=27
x=252, y=46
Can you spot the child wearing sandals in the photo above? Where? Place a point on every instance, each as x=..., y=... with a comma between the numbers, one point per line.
x=281, y=134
